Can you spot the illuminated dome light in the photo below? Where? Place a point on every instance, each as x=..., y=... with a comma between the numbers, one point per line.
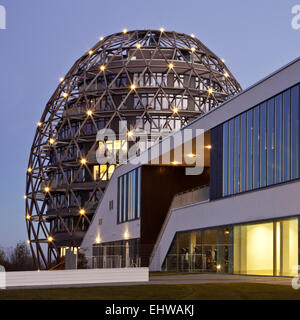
x=83, y=161
x=91, y=52
x=226, y=75
x=192, y=35
x=28, y=217
x=171, y=66
x=39, y=124
x=82, y=212
x=47, y=189
x=133, y=87
x=51, y=141
x=50, y=239
x=129, y=133
x=102, y=68
x=210, y=90
x=162, y=29
x=29, y=170
x=89, y=112
x=175, y=110
x=125, y=31
x=138, y=45
x=193, y=49
x=65, y=95
x=61, y=79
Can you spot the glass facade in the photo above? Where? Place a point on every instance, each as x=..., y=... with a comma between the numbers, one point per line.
x=203, y=250
x=269, y=248
x=265, y=248
x=129, y=196
x=261, y=146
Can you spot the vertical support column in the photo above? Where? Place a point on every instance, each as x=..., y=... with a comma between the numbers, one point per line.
x=127, y=262
x=192, y=251
x=220, y=249
x=230, y=250
x=298, y=245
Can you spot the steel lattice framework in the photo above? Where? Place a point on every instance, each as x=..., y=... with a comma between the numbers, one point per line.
x=154, y=80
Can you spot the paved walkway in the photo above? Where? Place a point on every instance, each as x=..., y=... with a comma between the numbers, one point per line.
x=184, y=279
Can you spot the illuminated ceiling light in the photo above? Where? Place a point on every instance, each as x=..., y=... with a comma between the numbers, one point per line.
x=208, y=146
x=83, y=161
x=193, y=49
x=129, y=133
x=51, y=140
x=91, y=52
x=175, y=110
x=125, y=31
x=226, y=75
x=126, y=235
x=46, y=189
x=98, y=240
x=133, y=87
x=191, y=155
x=82, y=212
x=192, y=35
x=210, y=90
x=171, y=65
x=102, y=68
x=50, y=239
x=227, y=232
x=175, y=163
x=29, y=170
x=162, y=29
x=218, y=267
x=138, y=45
x=28, y=217
x=61, y=79
x=65, y=95
x=39, y=124
x=89, y=112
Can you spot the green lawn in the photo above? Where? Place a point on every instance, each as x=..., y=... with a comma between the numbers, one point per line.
x=232, y=291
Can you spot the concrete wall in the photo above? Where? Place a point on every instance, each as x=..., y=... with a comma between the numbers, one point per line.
x=271, y=203
x=75, y=277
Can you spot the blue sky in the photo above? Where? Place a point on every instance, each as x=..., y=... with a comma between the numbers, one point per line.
x=44, y=38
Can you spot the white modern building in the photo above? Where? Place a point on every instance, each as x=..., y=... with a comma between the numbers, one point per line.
x=240, y=215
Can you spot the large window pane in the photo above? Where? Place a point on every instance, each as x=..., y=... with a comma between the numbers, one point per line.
x=263, y=145
x=225, y=158
x=278, y=138
x=270, y=138
x=237, y=155
x=256, y=148
x=250, y=150
x=231, y=157
x=295, y=132
x=287, y=135
x=243, y=151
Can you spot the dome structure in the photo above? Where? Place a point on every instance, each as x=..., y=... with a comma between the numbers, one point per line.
x=155, y=80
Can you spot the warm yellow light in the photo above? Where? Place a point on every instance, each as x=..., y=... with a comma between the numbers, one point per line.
x=125, y=31
x=218, y=267
x=25, y=197
x=101, y=38
x=50, y=239
x=126, y=235
x=175, y=163
x=29, y=170
x=28, y=241
x=82, y=212
x=193, y=49
x=162, y=29
x=46, y=189
x=65, y=95
x=192, y=35
x=102, y=68
x=89, y=112
x=51, y=140
x=133, y=87
x=91, y=52
x=175, y=110
x=129, y=133
x=83, y=161
x=223, y=60
x=61, y=79
x=171, y=66
x=226, y=75
x=191, y=155
x=39, y=124
x=98, y=240
x=28, y=217
x=138, y=45
x=208, y=146
x=210, y=90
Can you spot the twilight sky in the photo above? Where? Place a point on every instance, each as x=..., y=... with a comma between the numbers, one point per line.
x=44, y=38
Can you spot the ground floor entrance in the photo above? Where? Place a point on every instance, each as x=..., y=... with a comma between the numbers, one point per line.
x=261, y=248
